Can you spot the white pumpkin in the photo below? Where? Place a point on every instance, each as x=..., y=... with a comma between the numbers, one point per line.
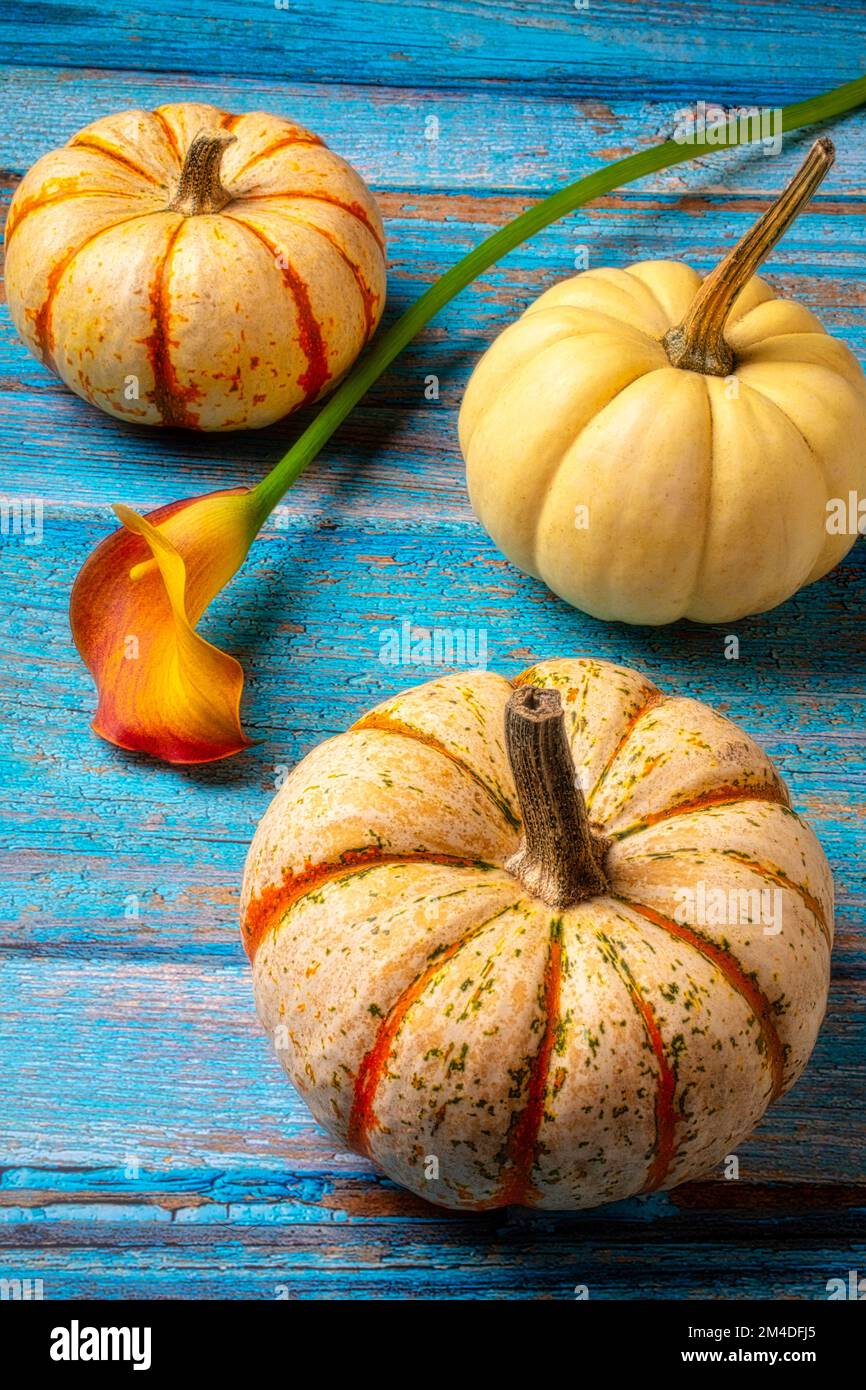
x=654, y=446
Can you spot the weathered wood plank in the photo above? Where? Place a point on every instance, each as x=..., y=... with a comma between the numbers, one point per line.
x=732, y=49
x=498, y=142
x=150, y=1144
x=653, y=1252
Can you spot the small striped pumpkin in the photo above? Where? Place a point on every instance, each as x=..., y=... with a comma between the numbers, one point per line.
x=487, y=941
x=189, y=267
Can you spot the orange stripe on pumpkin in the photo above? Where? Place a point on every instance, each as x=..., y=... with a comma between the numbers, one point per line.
x=310, y=336
x=41, y=318
x=267, y=909
x=97, y=146
x=388, y=724
x=354, y=209
x=169, y=396
x=653, y=698
x=775, y=875
x=170, y=137
x=362, y=1118
x=736, y=977
x=283, y=143
x=719, y=796
x=369, y=300
x=35, y=202
x=523, y=1137
x=665, y=1114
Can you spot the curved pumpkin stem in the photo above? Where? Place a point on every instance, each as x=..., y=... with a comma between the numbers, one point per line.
x=559, y=859
x=199, y=189
x=698, y=343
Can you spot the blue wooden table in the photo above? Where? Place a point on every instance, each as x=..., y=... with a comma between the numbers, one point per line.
x=150, y=1145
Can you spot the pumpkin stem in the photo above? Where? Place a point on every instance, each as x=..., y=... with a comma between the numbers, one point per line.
x=199, y=189
x=559, y=860
x=698, y=343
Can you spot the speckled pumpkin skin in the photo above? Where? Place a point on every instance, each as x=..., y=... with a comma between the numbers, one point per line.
x=213, y=322
x=705, y=497
x=484, y=1049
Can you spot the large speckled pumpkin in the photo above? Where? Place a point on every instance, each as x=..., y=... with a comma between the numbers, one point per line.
x=486, y=940
x=185, y=266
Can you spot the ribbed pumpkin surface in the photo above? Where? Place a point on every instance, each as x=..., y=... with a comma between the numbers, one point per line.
x=437, y=1018
x=217, y=321
x=643, y=493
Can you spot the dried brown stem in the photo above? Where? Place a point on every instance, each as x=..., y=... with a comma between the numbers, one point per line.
x=559, y=860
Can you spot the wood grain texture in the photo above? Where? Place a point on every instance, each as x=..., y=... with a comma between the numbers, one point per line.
x=599, y=47
x=150, y=1145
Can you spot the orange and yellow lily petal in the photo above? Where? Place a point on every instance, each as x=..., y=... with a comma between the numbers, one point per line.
x=162, y=688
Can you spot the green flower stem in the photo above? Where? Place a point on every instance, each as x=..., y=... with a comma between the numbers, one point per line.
x=380, y=356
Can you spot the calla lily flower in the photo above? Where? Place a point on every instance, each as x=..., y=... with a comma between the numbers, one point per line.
x=162, y=688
